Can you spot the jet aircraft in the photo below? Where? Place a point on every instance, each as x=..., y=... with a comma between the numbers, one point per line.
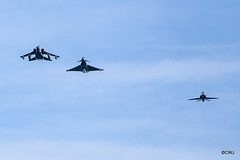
x=38, y=54
x=84, y=67
x=202, y=98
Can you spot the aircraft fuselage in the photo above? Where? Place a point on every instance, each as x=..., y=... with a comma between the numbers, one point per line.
x=83, y=62
x=39, y=55
x=203, y=97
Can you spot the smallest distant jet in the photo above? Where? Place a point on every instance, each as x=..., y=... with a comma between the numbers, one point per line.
x=39, y=54
x=203, y=97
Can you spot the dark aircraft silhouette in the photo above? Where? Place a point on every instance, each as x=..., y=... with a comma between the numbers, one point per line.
x=202, y=98
x=39, y=55
x=84, y=67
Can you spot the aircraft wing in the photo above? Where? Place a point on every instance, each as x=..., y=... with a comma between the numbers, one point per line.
x=50, y=54
x=195, y=99
x=84, y=69
x=91, y=68
x=211, y=98
x=29, y=54
x=78, y=68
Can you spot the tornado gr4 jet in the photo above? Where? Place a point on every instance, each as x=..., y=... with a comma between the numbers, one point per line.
x=39, y=54
x=202, y=98
x=84, y=67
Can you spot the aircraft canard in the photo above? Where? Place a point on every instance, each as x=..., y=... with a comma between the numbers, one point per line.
x=39, y=54
x=84, y=67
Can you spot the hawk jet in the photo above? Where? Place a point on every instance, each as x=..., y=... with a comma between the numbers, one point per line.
x=39, y=54
x=84, y=67
x=202, y=98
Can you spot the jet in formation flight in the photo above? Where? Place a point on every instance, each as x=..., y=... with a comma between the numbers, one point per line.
x=202, y=98
x=84, y=67
x=39, y=55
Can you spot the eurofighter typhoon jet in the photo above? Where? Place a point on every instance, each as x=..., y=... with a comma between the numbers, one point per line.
x=39, y=54
x=202, y=98
x=84, y=67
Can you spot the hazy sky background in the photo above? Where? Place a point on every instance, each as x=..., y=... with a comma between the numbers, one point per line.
x=156, y=54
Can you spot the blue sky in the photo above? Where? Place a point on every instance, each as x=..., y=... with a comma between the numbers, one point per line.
x=156, y=54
